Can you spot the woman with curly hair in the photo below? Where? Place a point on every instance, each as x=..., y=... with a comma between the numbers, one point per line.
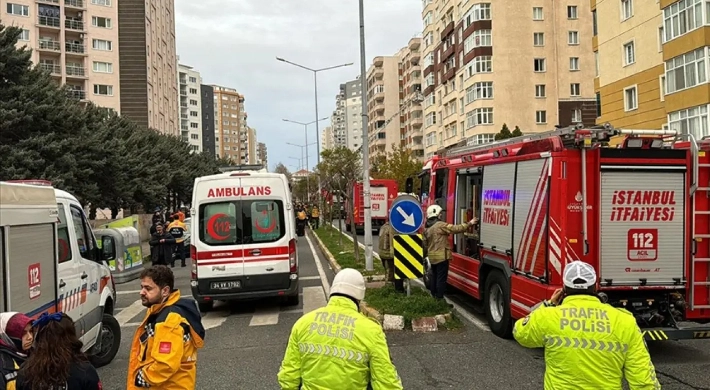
x=56, y=361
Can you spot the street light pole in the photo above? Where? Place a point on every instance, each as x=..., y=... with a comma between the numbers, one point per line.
x=366, y=145
x=305, y=131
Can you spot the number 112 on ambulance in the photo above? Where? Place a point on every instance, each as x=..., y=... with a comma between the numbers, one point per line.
x=642, y=244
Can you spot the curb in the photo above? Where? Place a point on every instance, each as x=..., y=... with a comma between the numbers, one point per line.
x=334, y=263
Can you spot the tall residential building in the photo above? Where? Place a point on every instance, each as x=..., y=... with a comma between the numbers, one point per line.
x=411, y=98
x=652, y=62
x=326, y=138
x=190, y=106
x=251, y=145
x=346, y=120
x=230, y=124
x=76, y=41
x=209, y=119
x=383, y=104
x=148, y=59
x=262, y=155
x=532, y=68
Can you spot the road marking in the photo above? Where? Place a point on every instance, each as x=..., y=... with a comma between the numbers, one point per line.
x=265, y=316
x=214, y=319
x=128, y=313
x=128, y=292
x=313, y=298
x=310, y=277
x=321, y=272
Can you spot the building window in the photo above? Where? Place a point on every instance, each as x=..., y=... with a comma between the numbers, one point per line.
x=538, y=39
x=627, y=9
x=480, y=64
x=484, y=116
x=693, y=120
x=193, y=125
x=573, y=37
x=100, y=44
x=574, y=63
x=482, y=38
x=193, y=102
x=682, y=17
x=18, y=9
x=25, y=36
x=539, y=64
x=686, y=71
x=105, y=90
x=598, y=98
x=537, y=13
x=629, y=53
x=576, y=115
x=631, y=98
x=483, y=90
x=98, y=21
x=106, y=3
x=661, y=37
x=596, y=63
x=662, y=87
x=594, y=23
x=571, y=12
x=103, y=67
x=193, y=79
x=477, y=12
x=194, y=114
x=541, y=117
x=574, y=89
x=540, y=91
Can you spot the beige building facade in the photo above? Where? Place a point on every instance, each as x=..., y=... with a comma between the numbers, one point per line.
x=652, y=68
x=231, y=132
x=411, y=97
x=76, y=41
x=326, y=138
x=383, y=105
x=532, y=68
x=252, y=142
x=262, y=154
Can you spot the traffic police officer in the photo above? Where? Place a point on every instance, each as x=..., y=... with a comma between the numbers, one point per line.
x=336, y=347
x=177, y=229
x=588, y=344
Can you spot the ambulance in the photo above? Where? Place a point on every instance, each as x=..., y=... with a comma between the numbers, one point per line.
x=49, y=262
x=243, y=238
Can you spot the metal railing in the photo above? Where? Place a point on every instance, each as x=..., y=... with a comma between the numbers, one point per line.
x=73, y=70
x=75, y=3
x=76, y=94
x=49, y=21
x=74, y=25
x=51, y=68
x=75, y=48
x=49, y=1
x=49, y=44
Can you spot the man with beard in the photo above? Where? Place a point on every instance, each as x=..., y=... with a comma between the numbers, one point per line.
x=161, y=246
x=164, y=349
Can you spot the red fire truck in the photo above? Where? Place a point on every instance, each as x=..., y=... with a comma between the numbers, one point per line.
x=646, y=228
x=382, y=193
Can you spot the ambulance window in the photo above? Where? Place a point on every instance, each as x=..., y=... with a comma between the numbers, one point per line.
x=263, y=221
x=218, y=223
x=63, y=242
x=84, y=238
x=441, y=182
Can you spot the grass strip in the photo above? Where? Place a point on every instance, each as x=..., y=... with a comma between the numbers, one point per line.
x=343, y=254
x=419, y=304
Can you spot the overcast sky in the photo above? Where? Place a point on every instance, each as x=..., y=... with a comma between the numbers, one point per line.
x=234, y=44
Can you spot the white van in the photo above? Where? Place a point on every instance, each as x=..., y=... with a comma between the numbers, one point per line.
x=243, y=241
x=49, y=262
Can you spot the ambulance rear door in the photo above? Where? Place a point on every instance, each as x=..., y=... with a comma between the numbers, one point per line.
x=642, y=225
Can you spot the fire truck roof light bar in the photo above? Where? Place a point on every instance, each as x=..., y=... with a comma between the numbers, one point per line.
x=647, y=132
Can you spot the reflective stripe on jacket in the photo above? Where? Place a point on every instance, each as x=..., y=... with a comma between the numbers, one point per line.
x=436, y=240
x=8, y=371
x=336, y=347
x=384, y=243
x=164, y=349
x=589, y=345
x=177, y=229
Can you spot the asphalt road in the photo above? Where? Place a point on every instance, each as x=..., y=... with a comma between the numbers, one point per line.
x=679, y=364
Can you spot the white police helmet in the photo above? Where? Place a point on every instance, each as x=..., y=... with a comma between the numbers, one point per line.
x=349, y=282
x=433, y=211
x=579, y=275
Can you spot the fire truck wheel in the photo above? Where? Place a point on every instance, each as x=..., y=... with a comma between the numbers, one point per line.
x=497, y=303
x=110, y=342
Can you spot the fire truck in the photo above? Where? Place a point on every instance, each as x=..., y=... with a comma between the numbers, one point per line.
x=382, y=194
x=638, y=212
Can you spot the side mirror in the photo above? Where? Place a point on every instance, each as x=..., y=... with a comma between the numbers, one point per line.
x=409, y=185
x=108, y=248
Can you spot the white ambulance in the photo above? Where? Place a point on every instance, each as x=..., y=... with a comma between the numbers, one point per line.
x=243, y=238
x=49, y=262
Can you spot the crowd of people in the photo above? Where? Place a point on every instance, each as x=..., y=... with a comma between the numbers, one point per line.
x=167, y=238
x=306, y=215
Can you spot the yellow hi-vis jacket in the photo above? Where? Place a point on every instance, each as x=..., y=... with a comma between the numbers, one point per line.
x=336, y=347
x=177, y=229
x=588, y=345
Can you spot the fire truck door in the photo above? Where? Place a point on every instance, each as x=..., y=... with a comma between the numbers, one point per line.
x=642, y=225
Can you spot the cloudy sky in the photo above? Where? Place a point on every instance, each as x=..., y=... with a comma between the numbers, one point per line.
x=234, y=43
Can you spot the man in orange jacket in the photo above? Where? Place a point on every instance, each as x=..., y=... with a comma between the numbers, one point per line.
x=164, y=349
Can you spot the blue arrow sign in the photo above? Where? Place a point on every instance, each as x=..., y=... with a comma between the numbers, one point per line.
x=406, y=214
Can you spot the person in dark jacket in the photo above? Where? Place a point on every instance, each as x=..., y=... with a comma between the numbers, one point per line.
x=157, y=217
x=16, y=337
x=56, y=361
x=161, y=244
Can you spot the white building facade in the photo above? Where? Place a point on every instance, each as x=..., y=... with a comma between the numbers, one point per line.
x=189, y=81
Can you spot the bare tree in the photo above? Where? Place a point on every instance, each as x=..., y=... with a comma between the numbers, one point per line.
x=281, y=168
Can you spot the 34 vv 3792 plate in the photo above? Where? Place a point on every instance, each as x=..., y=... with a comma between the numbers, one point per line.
x=226, y=285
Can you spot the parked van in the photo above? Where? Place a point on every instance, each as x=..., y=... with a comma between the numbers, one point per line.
x=49, y=262
x=243, y=240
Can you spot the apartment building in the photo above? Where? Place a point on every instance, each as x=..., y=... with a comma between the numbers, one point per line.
x=652, y=64
x=383, y=105
x=148, y=62
x=252, y=156
x=326, y=138
x=262, y=155
x=522, y=63
x=411, y=98
x=209, y=119
x=346, y=120
x=190, y=106
x=75, y=41
x=231, y=138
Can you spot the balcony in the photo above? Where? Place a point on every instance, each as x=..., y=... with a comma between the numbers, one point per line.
x=75, y=48
x=414, y=43
x=183, y=92
x=49, y=45
x=48, y=21
x=76, y=71
x=447, y=30
x=80, y=4
x=184, y=105
x=183, y=116
x=49, y=1
x=76, y=25
x=378, y=61
x=53, y=69
x=76, y=94
x=184, y=128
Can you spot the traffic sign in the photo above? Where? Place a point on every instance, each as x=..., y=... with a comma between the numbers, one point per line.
x=406, y=216
x=408, y=256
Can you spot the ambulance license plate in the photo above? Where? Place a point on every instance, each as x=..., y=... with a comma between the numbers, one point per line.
x=226, y=285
